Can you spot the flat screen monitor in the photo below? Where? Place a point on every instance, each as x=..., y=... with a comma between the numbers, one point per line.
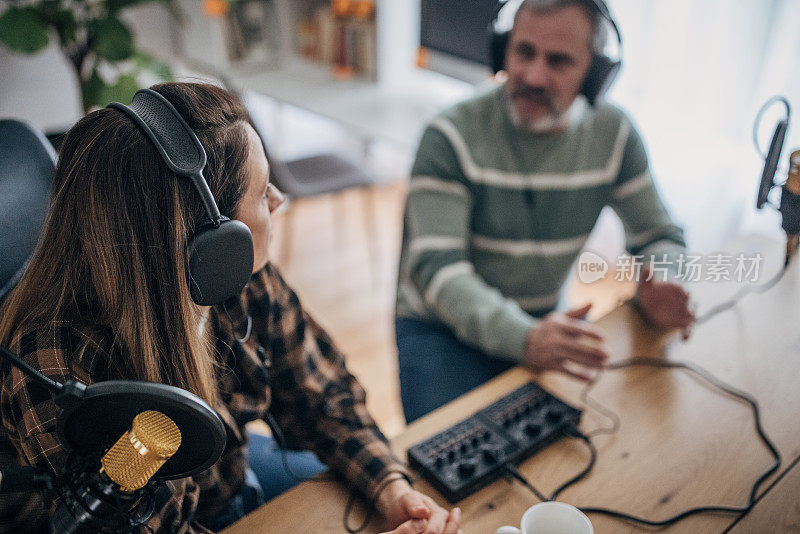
x=458, y=27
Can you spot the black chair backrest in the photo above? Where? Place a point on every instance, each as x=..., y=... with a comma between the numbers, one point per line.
x=27, y=166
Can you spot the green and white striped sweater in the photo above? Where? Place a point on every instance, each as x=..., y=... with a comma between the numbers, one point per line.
x=496, y=216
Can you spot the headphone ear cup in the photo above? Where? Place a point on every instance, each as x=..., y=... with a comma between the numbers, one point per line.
x=220, y=262
x=498, y=43
x=602, y=71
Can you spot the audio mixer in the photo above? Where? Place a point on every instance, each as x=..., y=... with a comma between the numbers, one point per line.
x=471, y=454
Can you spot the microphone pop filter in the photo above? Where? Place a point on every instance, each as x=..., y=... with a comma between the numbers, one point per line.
x=107, y=409
x=771, y=163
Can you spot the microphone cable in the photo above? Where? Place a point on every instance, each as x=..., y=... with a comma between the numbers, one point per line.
x=663, y=364
x=702, y=318
x=741, y=293
x=281, y=440
x=570, y=432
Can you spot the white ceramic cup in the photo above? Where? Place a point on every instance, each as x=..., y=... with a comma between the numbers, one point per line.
x=551, y=518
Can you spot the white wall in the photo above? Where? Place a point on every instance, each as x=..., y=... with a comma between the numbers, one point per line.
x=398, y=39
x=41, y=88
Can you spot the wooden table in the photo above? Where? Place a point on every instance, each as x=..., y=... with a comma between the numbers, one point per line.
x=681, y=444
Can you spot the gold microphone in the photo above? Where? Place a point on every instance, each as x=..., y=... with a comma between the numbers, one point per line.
x=792, y=186
x=141, y=451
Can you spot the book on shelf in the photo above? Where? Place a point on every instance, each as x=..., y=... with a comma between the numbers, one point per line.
x=346, y=43
x=251, y=32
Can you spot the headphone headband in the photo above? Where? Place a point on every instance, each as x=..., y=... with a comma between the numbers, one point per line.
x=219, y=253
x=602, y=70
x=602, y=8
x=595, y=6
x=175, y=141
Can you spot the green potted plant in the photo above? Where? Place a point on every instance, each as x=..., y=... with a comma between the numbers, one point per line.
x=98, y=44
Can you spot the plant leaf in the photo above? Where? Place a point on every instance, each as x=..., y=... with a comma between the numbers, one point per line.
x=159, y=68
x=66, y=26
x=63, y=20
x=121, y=91
x=23, y=29
x=112, y=39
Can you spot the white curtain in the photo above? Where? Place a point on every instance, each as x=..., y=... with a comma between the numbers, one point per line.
x=694, y=74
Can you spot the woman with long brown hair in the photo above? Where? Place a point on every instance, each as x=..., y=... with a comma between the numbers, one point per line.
x=106, y=296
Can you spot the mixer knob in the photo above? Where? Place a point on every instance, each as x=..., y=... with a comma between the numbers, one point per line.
x=553, y=416
x=467, y=468
x=532, y=429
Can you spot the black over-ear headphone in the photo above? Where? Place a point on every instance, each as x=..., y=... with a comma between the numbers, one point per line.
x=602, y=69
x=220, y=250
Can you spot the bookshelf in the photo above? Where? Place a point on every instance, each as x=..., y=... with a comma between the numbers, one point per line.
x=383, y=97
x=341, y=34
x=219, y=35
x=227, y=35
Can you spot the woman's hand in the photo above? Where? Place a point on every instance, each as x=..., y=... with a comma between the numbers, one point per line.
x=414, y=512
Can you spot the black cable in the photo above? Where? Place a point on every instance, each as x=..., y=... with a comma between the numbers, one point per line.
x=715, y=310
x=514, y=472
x=580, y=476
x=144, y=517
x=278, y=435
x=348, y=509
x=351, y=501
x=281, y=440
x=719, y=384
x=714, y=381
x=35, y=374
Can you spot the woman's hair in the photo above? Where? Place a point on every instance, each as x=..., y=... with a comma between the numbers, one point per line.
x=112, y=252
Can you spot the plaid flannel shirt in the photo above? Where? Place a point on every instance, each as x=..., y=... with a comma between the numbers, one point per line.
x=288, y=366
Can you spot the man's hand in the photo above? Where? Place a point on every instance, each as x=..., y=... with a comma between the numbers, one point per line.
x=415, y=513
x=665, y=304
x=563, y=342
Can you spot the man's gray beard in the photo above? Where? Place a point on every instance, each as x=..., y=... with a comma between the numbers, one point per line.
x=552, y=123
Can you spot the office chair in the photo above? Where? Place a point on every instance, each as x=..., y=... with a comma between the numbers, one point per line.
x=27, y=166
x=313, y=176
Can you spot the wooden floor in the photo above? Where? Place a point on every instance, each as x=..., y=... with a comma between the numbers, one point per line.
x=351, y=291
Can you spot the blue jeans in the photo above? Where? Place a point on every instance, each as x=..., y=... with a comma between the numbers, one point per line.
x=266, y=478
x=435, y=367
